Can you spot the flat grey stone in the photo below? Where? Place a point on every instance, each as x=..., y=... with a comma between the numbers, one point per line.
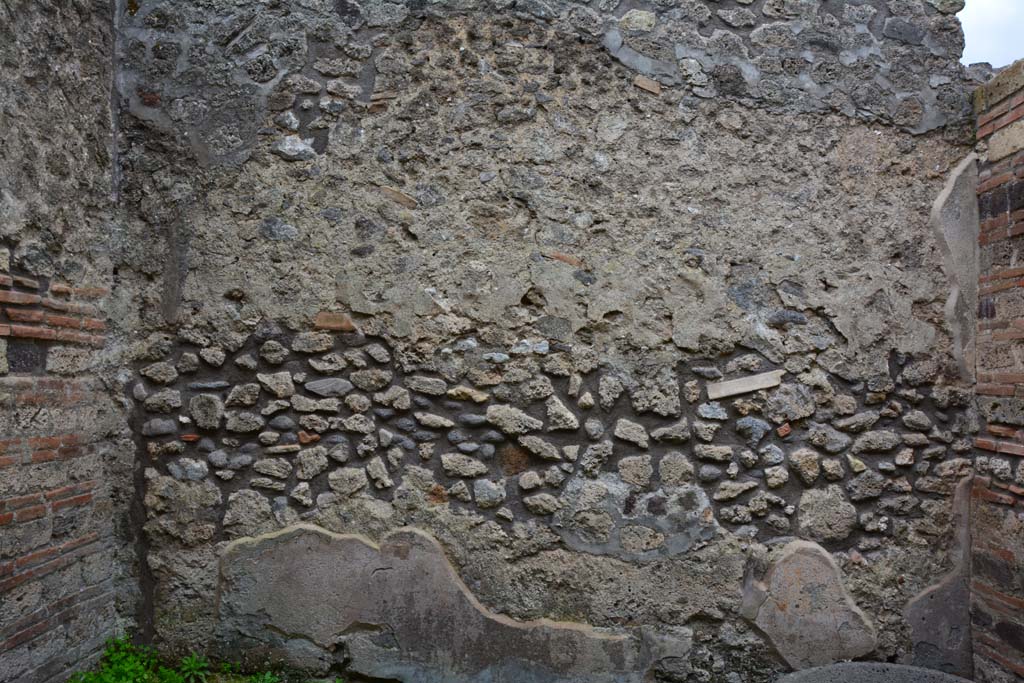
x=332, y=386
x=278, y=383
x=187, y=469
x=540, y=447
x=512, y=420
x=274, y=228
x=678, y=432
x=745, y=385
x=208, y=386
x=630, y=431
x=426, y=385
x=458, y=465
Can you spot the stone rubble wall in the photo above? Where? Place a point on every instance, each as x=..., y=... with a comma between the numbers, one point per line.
x=998, y=504
x=208, y=79
x=310, y=418
x=633, y=308
x=604, y=318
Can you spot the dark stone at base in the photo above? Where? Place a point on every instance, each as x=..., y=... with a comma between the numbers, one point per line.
x=870, y=672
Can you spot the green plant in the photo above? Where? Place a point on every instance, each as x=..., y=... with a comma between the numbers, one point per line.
x=166, y=675
x=229, y=668
x=194, y=669
x=121, y=661
x=125, y=662
x=265, y=677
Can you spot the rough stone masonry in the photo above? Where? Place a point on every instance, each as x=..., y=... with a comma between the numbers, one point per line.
x=504, y=340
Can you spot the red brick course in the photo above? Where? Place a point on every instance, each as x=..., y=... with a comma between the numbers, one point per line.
x=55, y=613
x=328, y=320
x=997, y=599
x=64, y=554
x=39, y=314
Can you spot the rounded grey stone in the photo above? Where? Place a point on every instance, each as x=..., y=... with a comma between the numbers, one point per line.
x=489, y=494
x=159, y=427
x=187, y=469
x=709, y=473
x=218, y=458
x=282, y=422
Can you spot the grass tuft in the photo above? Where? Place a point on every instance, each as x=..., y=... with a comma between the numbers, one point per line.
x=125, y=662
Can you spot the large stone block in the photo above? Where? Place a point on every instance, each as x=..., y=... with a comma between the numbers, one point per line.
x=939, y=616
x=955, y=223
x=802, y=606
x=398, y=611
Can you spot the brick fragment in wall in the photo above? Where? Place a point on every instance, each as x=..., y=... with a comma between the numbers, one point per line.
x=997, y=594
x=55, y=557
x=29, y=312
x=56, y=522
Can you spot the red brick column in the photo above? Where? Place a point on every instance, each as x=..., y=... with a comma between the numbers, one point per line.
x=56, y=531
x=997, y=510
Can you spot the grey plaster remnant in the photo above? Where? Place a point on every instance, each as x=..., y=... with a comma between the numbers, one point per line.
x=399, y=611
x=744, y=385
x=869, y=672
x=955, y=223
x=175, y=269
x=666, y=72
x=804, y=609
x=591, y=518
x=939, y=616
